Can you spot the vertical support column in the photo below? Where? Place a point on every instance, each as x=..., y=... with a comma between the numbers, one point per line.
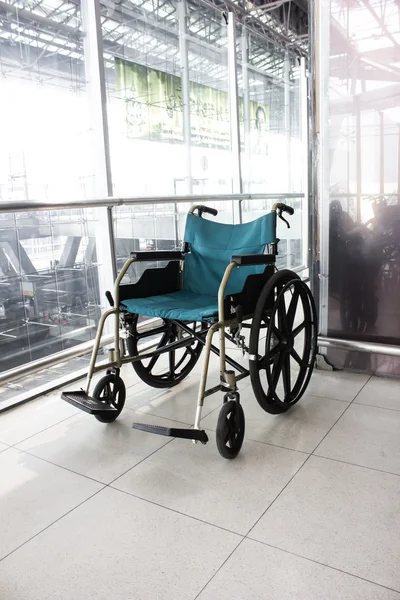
x=358, y=159
x=287, y=119
x=97, y=97
x=305, y=159
x=185, y=84
x=321, y=53
x=246, y=108
x=381, y=154
x=237, y=187
x=96, y=89
x=398, y=164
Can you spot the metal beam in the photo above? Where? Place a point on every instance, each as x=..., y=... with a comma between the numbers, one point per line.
x=26, y=15
x=380, y=22
x=25, y=265
x=246, y=103
x=387, y=97
x=185, y=85
x=237, y=186
x=6, y=266
x=358, y=161
x=70, y=251
x=381, y=153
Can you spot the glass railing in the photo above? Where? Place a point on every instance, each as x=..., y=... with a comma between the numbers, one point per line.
x=57, y=263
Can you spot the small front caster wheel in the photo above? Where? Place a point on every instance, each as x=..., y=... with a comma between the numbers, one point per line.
x=110, y=390
x=230, y=429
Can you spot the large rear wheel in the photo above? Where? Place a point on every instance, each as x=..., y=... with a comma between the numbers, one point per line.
x=283, y=359
x=167, y=369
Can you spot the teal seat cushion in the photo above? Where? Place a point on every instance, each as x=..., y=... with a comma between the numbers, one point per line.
x=182, y=306
x=211, y=247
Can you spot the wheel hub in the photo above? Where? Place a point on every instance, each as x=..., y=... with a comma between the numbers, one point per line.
x=288, y=343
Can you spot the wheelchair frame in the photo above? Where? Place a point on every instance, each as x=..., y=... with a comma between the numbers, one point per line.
x=228, y=377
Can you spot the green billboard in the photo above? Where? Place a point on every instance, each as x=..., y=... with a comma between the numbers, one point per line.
x=153, y=108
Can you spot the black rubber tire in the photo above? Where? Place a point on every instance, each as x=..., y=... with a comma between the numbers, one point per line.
x=117, y=387
x=231, y=417
x=161, y=381
x=269, y=297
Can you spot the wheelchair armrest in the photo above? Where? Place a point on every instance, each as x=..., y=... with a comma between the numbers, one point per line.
x=157, y=255
x=248, y=260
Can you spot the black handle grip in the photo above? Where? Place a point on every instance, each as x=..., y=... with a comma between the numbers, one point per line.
x=110, y=298
x=286, y=208
x=206, y=209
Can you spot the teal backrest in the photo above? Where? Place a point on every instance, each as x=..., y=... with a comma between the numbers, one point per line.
x=212, y=245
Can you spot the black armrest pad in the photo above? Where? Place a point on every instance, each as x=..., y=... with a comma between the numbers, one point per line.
x=247, y=260
x=157, y=255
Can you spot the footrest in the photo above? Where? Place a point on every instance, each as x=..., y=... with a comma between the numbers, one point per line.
x=81, y=400
x=185, y=434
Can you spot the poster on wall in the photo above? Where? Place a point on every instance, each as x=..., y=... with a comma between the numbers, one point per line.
x=153, y=109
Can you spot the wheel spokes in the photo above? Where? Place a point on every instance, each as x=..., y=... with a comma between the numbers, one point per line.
x=106, y=393
x=271, y=354
x=152, y=363
x=291, y=314
x=172, y=363
x=277, y=368
x=282, y=317
x=227, y=432
x=299, y=329
x=287, y=382
x=297, y=358
x=160, y=344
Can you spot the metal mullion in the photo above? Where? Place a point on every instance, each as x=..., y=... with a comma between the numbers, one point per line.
x=237, y=186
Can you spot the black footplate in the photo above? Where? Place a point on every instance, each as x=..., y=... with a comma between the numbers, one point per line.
x=81, y=400
x=185, y=434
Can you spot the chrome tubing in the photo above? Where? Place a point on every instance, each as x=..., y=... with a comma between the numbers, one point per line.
x=37, y=205
x=358, y=346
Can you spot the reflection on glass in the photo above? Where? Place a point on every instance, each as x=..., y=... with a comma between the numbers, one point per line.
x=363, y=176
x=49, y=292
x=270, y=116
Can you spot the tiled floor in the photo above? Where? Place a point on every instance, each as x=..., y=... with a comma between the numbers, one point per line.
x=310, y=510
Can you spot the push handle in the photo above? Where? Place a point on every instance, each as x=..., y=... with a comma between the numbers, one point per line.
x=204, y=209
x=110, y=298
x=281, y=207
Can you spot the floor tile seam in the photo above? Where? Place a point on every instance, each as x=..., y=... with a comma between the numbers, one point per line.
x=278, y=495
x=328, y=397
x=207, y=429
x=219, y=569
x=330, y=429
x=359, y=392
x=249, y=439
x=175, y=511
x=396, y=410
x=143, y=412
x=277, y=446
x=49, y=462
x=169, y=441
x=53, y=523
x=152, y=414
x=317, y=562
x=43, y=430
x=352, y=464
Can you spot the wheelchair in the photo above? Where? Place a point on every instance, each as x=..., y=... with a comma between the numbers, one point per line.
x=224, y=280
